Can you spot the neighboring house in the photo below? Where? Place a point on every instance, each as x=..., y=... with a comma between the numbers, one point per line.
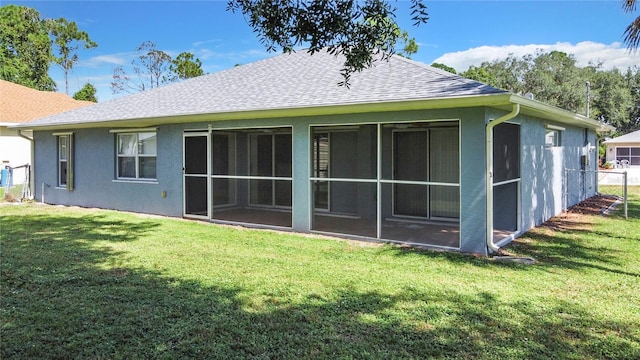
x=400, y=155
x=20, y=104
x=624, y=151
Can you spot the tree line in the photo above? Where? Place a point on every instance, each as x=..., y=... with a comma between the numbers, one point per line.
x=611, y=96
x=29, y=45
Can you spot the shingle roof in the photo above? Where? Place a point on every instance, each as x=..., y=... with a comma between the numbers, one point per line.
x=19, y=104
x=296, y=80
x=628, y=138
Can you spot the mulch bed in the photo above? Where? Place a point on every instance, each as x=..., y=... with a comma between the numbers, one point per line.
x=573, y=218
x=593, y=206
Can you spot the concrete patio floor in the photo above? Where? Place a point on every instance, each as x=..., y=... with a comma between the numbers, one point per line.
x=443, y=234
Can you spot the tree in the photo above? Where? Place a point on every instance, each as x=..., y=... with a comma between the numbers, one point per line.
x=184, y=66
x=151, y=69
x=555, y=79
x=479, y=74
x=68, y=38
x=612, y=100
x=87, y=93
x=508, y=74
x=632, y=78
x=632, y=32
x=444, y=67
x=410, y=46
x=25, y=48
x=360, y=30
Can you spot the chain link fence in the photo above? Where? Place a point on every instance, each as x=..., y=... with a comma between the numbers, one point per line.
x=15, y=183
x=582, y=184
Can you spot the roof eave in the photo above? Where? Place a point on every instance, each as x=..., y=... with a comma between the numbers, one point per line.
x=494, y=100
x=553, y=113
x=500, y=101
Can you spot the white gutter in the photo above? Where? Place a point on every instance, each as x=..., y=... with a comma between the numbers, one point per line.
x=23, y=135
x=489, y=180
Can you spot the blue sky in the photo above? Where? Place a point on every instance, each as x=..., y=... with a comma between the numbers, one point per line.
x=459, y=33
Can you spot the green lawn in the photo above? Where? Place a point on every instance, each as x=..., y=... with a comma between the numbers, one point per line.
x=93, y=284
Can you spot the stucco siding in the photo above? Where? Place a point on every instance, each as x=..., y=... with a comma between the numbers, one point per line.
x=473, y=220
x=95, y=182
x=547, y=171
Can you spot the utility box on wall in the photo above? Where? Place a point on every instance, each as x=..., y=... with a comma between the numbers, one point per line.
x=584, y=161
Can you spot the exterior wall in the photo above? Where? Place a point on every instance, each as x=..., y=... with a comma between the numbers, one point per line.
x=96, y=184
x=473, y=219
x=541, y=187
x=94, y=170
x=547, y=172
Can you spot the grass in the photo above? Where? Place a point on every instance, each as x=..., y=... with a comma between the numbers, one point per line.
x=94, y=284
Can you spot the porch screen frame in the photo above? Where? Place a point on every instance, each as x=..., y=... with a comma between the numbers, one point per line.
x=379, y=180
x=233, y=159
x=316, y=160
x=428, y=182
x=510, y=180
x=238, y=169
x=185, y=135
x=273, y=177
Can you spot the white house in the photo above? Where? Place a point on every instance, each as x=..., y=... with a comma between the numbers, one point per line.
x=624, y=151
x=20, y=104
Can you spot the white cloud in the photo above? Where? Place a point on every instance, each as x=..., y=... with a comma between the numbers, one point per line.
x=612, y=55
x=204, y=42
x=110, y=59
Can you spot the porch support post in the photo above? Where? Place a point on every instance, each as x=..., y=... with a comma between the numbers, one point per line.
x=301, y=185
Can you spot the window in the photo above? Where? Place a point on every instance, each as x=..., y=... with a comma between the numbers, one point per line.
x=630, y=154
x=552, y=135
x=65, y=160
x=136, y=155
x=552, y=138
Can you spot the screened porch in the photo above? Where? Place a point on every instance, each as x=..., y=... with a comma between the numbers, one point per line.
x=394, y=182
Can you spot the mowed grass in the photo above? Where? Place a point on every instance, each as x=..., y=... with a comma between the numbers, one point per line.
x=93, y=284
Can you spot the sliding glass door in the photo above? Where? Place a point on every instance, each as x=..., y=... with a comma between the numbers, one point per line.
x=425, y=163
x=270, y=160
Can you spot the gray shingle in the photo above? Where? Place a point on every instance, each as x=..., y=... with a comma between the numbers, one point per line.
x=296, y=80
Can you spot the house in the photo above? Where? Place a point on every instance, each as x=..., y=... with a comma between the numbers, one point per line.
x=407, y=153
x=19, y=104
x=624, y=151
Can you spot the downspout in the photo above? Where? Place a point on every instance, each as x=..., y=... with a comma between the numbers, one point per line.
x=489, y=174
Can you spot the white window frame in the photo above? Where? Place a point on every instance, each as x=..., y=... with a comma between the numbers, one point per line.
x=65, y=139
x=553, y=136
x=137, y=155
